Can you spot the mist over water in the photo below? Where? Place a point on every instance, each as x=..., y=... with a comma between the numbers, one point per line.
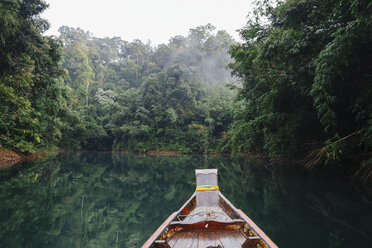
x=109, y=200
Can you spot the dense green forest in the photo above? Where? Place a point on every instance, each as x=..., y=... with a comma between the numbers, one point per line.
x=300, y=90
x=110, y=94
x=306, y=68
x=132, y=96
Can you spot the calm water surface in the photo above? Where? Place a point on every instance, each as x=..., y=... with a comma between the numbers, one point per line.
x=119, y=200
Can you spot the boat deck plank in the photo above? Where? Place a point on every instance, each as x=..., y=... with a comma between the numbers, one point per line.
x=184, y=239
x=172, y=242
x=229, y=239
x=205, y=239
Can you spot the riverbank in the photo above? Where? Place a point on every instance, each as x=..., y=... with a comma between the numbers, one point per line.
x=9, y=158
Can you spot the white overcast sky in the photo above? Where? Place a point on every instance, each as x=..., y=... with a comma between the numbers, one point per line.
x=155, y=20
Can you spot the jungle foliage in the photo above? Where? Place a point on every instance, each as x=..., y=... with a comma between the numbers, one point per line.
x=303, y=78
x=77, y=91
x=133, y=96
x=30, y=92
x=306, y=70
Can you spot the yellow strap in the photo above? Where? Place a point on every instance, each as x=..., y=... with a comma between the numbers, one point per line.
x=207, y=188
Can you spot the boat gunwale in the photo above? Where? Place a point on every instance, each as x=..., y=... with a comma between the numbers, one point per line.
x=155, y=235
x=250, y=222
x=239, y=212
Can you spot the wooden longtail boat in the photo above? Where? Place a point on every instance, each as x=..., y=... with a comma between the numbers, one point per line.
x=208, y=220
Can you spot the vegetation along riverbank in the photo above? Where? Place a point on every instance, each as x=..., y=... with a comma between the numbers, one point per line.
x=297, y=88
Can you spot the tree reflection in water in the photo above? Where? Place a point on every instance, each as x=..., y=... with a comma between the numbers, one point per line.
x=118, y=200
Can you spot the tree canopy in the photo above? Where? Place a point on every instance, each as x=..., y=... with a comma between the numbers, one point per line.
x=30, y=90
x=301, y=80
x=306, y=70
x=134, y=96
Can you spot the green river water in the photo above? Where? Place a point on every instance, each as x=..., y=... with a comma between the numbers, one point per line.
x=97, y=199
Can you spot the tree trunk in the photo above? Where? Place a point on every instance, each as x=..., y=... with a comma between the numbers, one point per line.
x=86, y=92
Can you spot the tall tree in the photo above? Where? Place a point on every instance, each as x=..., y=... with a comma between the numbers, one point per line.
x=306, y=81
x=29, y=71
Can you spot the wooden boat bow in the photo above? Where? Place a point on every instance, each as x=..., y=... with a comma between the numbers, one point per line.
x=208, y=220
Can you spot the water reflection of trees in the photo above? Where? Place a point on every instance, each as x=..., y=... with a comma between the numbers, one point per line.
x=118, y=200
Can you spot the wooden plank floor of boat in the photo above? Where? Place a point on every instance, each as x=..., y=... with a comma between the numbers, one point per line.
x=206, y=239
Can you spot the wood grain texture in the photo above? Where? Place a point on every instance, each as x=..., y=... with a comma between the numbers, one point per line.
x=207, y=239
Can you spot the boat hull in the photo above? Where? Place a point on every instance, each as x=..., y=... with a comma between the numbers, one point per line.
x=208, y=220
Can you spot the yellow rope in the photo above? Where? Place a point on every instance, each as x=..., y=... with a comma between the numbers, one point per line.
x=207, y=188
